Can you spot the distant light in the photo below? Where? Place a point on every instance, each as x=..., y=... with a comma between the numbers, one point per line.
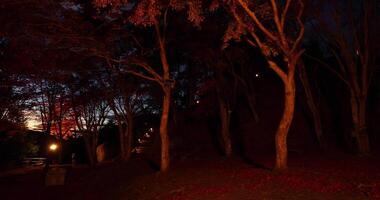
x=151, y=129
x=257, y=75
x=139, y=140
x=357, y=52
x=197, y=101
x=53, y=147
x=147, y=135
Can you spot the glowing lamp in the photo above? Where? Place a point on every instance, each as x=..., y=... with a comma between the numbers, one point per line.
x=53, y=147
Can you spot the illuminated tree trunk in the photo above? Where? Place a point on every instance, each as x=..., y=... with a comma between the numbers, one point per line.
x=316, y=117
x=286, y=120
x=288, y=49
x=165, y=143
x=224, y=114
x=359, y=129
x=166, y=86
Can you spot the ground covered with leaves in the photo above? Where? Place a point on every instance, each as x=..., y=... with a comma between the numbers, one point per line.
x=309, y=177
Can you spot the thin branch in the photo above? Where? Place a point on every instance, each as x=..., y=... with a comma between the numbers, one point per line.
x=256, y=20
x=148, y=68
x=279, y=25
x=339, y=60
x=302, y=28
x=278, y=70
x=145, y=77
x=329, y=68
x=251, y=32
x=284, y=13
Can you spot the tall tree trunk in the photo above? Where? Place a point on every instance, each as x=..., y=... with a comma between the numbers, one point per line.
x=89, y=150
x=251, y=103
x=316, y=117
x=94, y=137
x=48, y=128
x=359, y=129
x=121, y=139
x=60, y=157
x=286, y=120
x=224, y=113
x=167, y=86
x=165, y=143
x=129, y=138
x=121, y=131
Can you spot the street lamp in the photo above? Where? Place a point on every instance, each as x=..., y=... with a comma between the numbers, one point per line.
x=55, y=174
x=53, y=147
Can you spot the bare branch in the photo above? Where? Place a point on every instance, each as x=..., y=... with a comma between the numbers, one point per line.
x=280, y=30
x=284, y=13
x=329, y=68
x=278, y=70
x=256, y=20
x=302, y=28
x=146, y=77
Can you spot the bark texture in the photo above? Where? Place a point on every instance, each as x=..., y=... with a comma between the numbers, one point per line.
x=283, y=128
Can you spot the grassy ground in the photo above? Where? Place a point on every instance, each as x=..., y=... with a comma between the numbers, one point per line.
x=309, y=177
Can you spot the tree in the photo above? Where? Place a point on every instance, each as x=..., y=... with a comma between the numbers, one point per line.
x=12, y=102
x=128, y=100
x=153, y=13
x=312, y=105
x=224, y=83
x=89, y=106
x=12, y=99
x=46, y=96
x=63, y=120
x=347, y=35
x=90, y=116
x=269, y=26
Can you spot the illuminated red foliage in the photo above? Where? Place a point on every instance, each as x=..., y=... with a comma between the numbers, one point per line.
x=147, y=12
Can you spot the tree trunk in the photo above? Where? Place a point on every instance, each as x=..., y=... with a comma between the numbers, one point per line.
x=165, y=144
x=121, y=139
x=359, y=129
x=48, y=128
x=120, y=131
x=252, y=102
x=316, y=117
x=129, y=138
x=90, y=153
x=94, y=137
x=224, y=114
x=286, y=120
x=60, y=157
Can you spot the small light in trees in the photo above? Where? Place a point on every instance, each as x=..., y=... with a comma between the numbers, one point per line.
x=357, y=52
x=147, y=135
x=257, y=75
x=53, y=147
x=151, y=129
x=197, y=101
